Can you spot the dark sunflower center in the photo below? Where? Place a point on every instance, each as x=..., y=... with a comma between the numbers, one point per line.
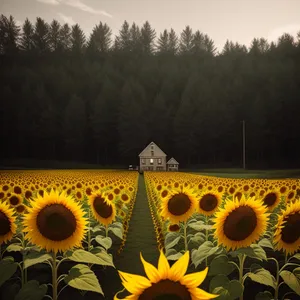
x=240, y=223
x=290, y=232
x=270, y=199
x=166, y=290
x=102, y=208
x=14, y=200
x=179, y=204
x=4, y=224
x=208, y=202
x=56, y=222
x=174, y=227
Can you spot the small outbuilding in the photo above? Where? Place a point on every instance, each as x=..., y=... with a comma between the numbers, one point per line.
x=172, y=164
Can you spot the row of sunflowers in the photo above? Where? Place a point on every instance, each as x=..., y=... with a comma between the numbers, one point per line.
x=236, y=231
x=57, y=217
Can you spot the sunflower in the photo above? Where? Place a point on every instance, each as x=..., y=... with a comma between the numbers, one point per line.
x=103, y=210
x=240, y=223
x=165, y=282
x=173, y=228
x=55, y=222
x=209, y=202
x=7, y=223
x=287, y=234
x=271, y=199
x=178, y=206
x=15, y=200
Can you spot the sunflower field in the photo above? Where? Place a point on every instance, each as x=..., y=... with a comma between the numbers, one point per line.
x=237, y=238
x=55, y=219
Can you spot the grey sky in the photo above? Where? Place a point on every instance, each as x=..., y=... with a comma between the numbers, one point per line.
x=236, y=20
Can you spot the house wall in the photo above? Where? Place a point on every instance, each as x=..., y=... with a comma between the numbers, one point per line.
x=156, y=166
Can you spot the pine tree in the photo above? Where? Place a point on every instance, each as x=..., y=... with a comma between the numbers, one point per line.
x=54, y=36
x=186, y=41
x=147, y=38
x=100, y=39
x=9, y=35
x=65, y=37
x=77, y=39
x=26, y=40
x=163, y=42
x=41, y=36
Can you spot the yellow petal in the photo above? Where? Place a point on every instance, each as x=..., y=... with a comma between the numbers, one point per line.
x=198, y=294
x=195, y=279
x=130, y=297
x=163, y=266
x=134, y=284
x=179, y=268
x=151, y=272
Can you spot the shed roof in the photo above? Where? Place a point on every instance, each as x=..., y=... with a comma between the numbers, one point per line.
x=172, y=161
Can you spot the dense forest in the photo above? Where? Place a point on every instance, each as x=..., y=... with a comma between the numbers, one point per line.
x=101, y=99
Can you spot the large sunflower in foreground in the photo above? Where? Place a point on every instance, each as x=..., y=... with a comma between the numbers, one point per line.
x=103, y=210
x=165, y=282
x=55, y=222
x=7, y=223
x=178, y=206
x=287, y=234
x=209, y=202
x=240, y=223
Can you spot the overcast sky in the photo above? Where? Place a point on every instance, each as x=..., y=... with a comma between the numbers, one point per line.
x=236, y=20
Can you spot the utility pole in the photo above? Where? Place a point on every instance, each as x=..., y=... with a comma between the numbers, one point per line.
x=244, y=145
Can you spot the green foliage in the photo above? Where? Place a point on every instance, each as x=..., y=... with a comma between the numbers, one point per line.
x=220, y=265
x=262, y=276
x=32, y=290
x=254, y=251
x=81, y=277
x=291, y=280
x=33, y=257
x=228, y=290
x=8, y=268
x=105, y=242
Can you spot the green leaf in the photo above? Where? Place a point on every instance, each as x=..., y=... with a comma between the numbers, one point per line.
x=291, y=280
x=220, y=265
x=98, y=228
x=32, y=291
x=7, y=269
x=14, y=247
x=175, y=256
x=117, y=225
x=198, y=226
x=105, y=242
x=197, y=238
x=266, y=244
x=173, y=243
x=222, y=292
x=205, y=250
x=105, y=258
x=297, y=256
x=219, y=281
x=170, y=251
x=228, y=290
x=264, y=296
x=81, y=277
x=83, y=256
x=116, y=231
x=254, y=251
x=296, y=272
x=235, y=289
x=33, y=258
x=262, y=276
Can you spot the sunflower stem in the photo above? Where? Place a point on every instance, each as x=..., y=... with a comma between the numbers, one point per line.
x=206, y=237
x=277, y=278
x=185, y=236
x=54, y=277
x=89, y=232
x=241, y=272
x=286, y=257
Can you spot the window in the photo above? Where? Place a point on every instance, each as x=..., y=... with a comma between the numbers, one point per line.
x=152, y=153
x=151, y=161
x=152, y=147
x=143, y=161
x=159, y=161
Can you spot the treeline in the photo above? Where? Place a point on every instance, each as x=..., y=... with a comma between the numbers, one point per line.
x=102, y=99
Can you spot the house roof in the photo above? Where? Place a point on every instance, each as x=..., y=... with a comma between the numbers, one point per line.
x=157, y=151
x=172, y=161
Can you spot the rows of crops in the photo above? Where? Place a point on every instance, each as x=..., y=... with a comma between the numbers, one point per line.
x=239, y=228
x=54, y=217
x=225, y=232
